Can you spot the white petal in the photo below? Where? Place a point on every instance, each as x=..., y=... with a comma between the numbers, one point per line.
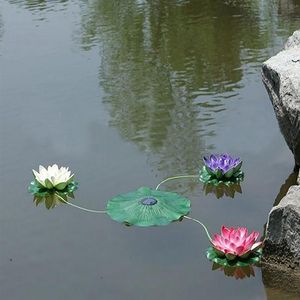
x=38, y=178
x=44, y=173
x=60, y=178
x=35, y=173
x=63, y=169
x=41, y=168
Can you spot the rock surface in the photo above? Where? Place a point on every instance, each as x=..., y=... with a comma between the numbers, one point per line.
x=281, y=284
x=281, y=76
x=282, y=241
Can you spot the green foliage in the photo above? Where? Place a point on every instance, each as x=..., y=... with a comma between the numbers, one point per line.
x=165, y=208
x=237, y=262
x=208, y=178
x=36, y=189
x=52, y=197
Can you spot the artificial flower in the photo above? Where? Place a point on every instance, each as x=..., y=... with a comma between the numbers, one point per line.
x=221, y=168
x=53, y=177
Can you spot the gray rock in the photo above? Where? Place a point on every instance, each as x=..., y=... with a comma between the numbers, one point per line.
x=293, y=41
x=282, y=241
x=281, y=76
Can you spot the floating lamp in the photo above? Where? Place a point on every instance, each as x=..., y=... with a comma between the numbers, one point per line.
x=153, y=207
x=52, y=185
x=148, y=207
x=221, y=168
x=53, y=177
x=235, y=247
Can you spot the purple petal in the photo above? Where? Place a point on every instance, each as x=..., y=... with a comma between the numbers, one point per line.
x=214, y=158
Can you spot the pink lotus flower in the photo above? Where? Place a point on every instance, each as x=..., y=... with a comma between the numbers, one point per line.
x=234, y=243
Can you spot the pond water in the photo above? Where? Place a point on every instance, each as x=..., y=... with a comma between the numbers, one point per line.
x=128, y=93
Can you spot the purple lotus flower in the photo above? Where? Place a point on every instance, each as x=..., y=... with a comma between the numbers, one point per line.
x=222, y=165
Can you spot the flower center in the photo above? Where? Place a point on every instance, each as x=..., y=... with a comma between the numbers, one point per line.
x=149, y=201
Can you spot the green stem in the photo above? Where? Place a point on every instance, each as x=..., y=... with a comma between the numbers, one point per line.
x=175, y=177
x=79, y=207
x=204, y=227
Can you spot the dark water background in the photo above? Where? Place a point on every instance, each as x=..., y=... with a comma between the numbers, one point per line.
x=127, y=93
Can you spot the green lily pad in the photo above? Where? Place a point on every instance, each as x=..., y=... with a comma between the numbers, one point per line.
x=209, y=178
x=147, y=207
x=254, y=258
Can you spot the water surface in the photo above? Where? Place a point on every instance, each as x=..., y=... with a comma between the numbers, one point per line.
x=127, y=93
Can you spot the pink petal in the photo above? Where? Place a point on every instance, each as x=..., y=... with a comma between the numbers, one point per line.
x=249, y=243
x=232, y=247
x=240, y=250
x=243, y=232
x=217, y=238
x=256, y=246
x=251, y=238
x=225, y=231
x=232, y=235
x=217, y=241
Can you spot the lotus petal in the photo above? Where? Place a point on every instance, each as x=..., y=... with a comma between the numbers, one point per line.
x=53, y=177
x=221, y=168
x=235, y=242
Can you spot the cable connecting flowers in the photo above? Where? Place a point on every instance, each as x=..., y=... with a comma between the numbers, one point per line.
x=152, y=207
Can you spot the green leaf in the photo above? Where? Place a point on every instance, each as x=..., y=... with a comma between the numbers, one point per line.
x=48, y=184
x=165, y=208
x=237, y=168
x=229, y=173
x=218, y=178
x=61, y=186
x=35, y=189
x=237, y=262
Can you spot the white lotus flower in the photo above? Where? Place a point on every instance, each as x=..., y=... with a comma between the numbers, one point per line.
x=53, y=177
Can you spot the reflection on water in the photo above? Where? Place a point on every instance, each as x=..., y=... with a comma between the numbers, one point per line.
x=281, y=284
x=235, y=272
x=289, y=8
x=52, y=200
x=171, y=74
x=38, y=5
x=291, y=180
x=169, y=68
x=222, y=190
